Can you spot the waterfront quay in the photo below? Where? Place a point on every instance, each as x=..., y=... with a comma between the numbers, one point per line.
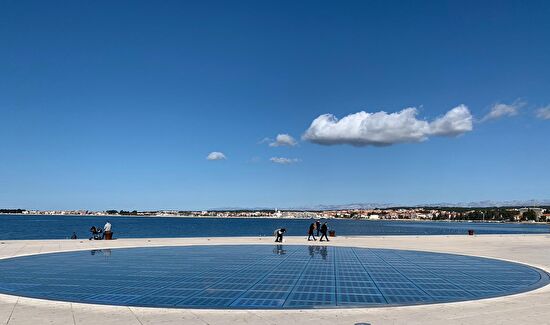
x=531, y=307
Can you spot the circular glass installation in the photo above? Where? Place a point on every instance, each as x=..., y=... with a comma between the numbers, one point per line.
x=263, y=276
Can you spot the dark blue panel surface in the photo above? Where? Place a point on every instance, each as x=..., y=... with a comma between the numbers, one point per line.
x=263, y=276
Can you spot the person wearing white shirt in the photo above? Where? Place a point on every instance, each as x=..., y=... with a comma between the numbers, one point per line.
x=106, y=229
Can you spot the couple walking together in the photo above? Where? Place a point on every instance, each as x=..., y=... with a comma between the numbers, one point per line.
x=323, y=229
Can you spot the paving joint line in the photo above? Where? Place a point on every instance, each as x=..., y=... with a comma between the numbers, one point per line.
x=134, y=314
x=12, y=310
x=72, y=313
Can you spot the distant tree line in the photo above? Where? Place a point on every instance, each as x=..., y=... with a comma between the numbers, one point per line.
x=467, y=214
x=495, y=214
x=12, y=210
x=122, y=212
x=489, y=214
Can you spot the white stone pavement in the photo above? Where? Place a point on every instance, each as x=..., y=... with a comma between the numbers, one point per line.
x=526, y=308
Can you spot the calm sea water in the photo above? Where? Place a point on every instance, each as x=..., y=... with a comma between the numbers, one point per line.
x=59, y=227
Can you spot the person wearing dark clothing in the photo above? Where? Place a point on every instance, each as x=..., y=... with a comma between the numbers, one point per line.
x=324, y=230
x=318, y=226
x=279, y=235
x=73, y=235
x=93, y=230
x=96, y=233
x=310, y=232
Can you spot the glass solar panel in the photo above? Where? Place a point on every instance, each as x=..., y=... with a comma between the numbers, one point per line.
x=263, y=276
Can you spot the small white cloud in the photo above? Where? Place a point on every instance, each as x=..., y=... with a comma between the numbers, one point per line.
x=282, y=140
x=383, y=129
x=501, y=110
x=453, y=123
x=284, y=161
x=216, y=155
x=544, y=113
x=255, y=160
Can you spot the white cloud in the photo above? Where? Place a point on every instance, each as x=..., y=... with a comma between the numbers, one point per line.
x=544, y=113
x=284, y=161
x=255, y=160
x=455, y=122
x=501, y=110
x=383, y=129
x=216, y=155
x=282, y=140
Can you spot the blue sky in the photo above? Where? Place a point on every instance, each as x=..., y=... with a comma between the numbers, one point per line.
x=117, y=104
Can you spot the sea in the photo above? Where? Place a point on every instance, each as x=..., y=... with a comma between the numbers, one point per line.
x=13, y=227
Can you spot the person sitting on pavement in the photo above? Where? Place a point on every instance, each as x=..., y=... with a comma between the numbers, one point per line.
x=95, y=233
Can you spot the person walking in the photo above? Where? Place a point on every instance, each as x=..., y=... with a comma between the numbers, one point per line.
x=318, y=226
x=279, y=235
x=311, y=232
x=324, y=230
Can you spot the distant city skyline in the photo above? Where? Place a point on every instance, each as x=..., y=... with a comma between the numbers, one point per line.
x=202, y=105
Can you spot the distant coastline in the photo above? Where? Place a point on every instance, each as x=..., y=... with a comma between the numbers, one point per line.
x=516, y=215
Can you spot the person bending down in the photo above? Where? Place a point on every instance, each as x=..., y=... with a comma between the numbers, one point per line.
x=279, y=235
